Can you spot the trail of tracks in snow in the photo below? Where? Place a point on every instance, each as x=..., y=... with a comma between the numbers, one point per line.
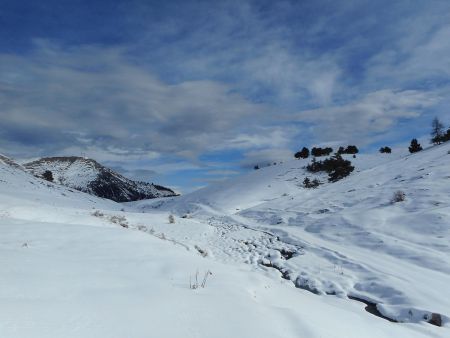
x=272, y=247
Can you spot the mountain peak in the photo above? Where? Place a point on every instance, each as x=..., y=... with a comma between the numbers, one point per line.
x=89, y=176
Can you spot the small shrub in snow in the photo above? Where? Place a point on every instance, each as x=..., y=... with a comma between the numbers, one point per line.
x=385, y=150
x=307, y=183
x=399, y=196
x=195, y=284
x=97, y=213
x=120, y=220
x=171, y=219
x=205, y=277
x=142, y=228
x=201, y=251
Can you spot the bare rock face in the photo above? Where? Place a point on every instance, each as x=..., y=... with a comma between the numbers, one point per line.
x=91, y=177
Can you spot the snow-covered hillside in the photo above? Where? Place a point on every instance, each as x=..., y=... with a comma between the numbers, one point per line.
x=273, y=182
x=19, y=187
x=74, y=265
x=355, y=242
x=89, y=176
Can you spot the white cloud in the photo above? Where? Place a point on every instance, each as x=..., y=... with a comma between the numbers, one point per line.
x=262, y=137
x=374, y=113
x=114, y=104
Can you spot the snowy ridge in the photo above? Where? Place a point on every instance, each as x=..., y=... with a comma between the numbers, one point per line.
x=22, y=188
x=91, y=177
x=7, y=162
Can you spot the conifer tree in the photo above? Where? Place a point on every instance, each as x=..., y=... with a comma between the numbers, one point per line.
x=437, y=131
x=415, y=146
x=304, y=153
x=385, y=150
x=48, y=175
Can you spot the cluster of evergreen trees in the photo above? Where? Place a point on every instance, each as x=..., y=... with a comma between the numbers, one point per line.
x=349, y=150
x=336, y=167
x=317, y=152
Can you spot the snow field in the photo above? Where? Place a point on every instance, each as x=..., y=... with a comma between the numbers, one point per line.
x=68, y=270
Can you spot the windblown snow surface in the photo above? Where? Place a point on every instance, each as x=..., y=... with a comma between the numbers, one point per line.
x=284, y=259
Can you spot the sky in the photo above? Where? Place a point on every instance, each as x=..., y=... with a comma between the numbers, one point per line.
x=187, y=93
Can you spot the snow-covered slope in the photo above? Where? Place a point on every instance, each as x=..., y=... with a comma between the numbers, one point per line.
x=23, y=194
x=91, y=177
x=355, y=242
x=74, y=265
x=271, y=183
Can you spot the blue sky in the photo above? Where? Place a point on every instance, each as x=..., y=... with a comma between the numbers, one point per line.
x=185, y=93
